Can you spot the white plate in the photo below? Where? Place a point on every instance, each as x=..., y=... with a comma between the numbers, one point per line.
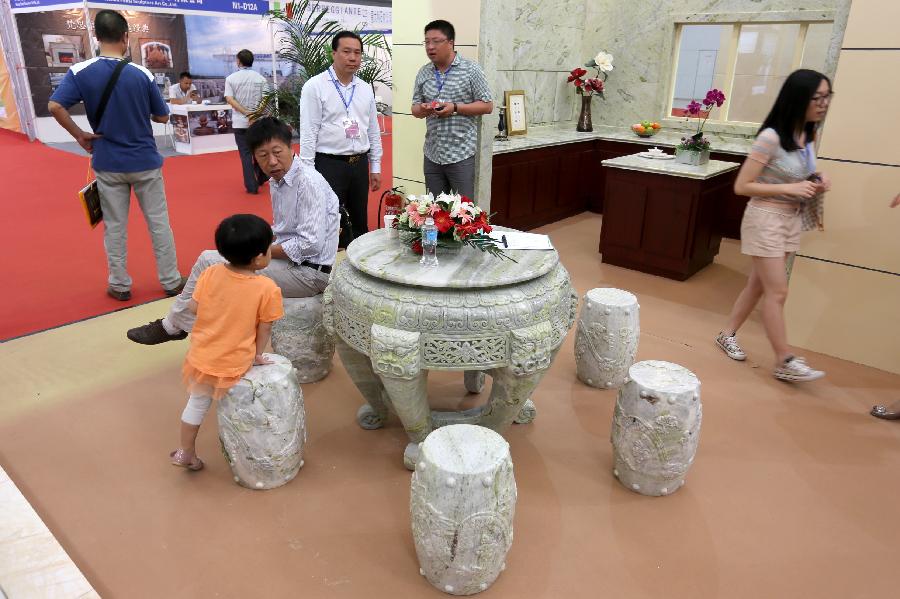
x=656, y=156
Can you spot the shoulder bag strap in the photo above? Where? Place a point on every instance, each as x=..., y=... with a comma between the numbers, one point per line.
x=104, y=99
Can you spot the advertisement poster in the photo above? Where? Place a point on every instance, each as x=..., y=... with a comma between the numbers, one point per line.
x=55, y=40
x=209, y=122
x=180, y=126
x=9, y=116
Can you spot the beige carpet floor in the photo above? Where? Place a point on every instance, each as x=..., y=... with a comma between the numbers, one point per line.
x=793, y=492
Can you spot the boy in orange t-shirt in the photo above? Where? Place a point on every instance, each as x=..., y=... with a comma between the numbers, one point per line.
x=235, y=309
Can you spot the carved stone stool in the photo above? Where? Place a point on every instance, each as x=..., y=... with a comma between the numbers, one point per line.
x=301, y=337
x=656, y=427
x=262, y=426
x=606, y=337
x=462, y=502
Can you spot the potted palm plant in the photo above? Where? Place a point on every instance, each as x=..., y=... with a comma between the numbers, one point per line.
x=304, y=38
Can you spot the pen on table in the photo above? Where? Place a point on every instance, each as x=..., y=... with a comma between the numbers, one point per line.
x=503, y=239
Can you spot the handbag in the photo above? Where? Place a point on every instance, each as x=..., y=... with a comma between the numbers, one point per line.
x=89, y=195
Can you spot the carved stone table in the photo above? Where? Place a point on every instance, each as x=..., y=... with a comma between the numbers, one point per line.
x=395, y=320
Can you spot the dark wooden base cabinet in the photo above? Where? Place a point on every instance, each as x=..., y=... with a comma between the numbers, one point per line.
x=661, y=224
x=531, y=188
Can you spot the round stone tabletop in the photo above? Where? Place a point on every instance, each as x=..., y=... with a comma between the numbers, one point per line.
x=380, y=254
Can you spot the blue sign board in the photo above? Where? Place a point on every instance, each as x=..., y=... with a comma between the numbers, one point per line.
x=251, y=7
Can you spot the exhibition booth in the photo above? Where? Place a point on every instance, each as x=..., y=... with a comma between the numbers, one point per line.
x=41, y=39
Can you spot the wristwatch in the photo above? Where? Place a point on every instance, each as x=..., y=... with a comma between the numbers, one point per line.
x=455, y=111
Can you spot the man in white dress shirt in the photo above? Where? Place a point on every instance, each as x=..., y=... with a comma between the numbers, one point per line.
x=243, y=91
x=339, y=132
x=183, y=92
x=305, y=221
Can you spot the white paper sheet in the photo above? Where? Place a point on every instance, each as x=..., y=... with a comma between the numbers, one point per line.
x=521, y=241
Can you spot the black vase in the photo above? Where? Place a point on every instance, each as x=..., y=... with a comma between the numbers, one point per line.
x=584, y=119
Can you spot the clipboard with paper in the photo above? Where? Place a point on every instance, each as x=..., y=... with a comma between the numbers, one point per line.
x=516, y=240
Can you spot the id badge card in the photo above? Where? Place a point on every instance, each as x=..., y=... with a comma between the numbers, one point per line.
x=351, y=128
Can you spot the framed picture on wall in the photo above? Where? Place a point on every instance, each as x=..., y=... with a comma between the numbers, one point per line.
x=516, y=118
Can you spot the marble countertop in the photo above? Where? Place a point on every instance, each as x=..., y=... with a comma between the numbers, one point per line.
x=380, y=254
x=564, y=133
x=634, y=162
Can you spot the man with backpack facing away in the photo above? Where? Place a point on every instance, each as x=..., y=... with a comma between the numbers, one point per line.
x=123, y=148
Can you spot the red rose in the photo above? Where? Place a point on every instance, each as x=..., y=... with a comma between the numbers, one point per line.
x=416, y=247
x=442, y=221
x=579, y=83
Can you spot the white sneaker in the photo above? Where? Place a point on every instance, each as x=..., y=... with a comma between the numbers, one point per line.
x=795, y=370
x=730, y=346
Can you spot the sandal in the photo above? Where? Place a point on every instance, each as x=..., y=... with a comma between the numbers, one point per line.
x=883, y=413
x=178, y=459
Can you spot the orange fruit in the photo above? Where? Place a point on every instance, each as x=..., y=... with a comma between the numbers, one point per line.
x=640, y=129
x=656, y=125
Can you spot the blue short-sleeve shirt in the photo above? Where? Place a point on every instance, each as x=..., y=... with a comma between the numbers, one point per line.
x=127, y=145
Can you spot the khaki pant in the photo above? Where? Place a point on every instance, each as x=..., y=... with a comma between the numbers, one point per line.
x=115, y=199
x=293, y=279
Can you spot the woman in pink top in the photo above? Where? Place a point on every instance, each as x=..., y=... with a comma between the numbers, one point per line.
x=785, y=190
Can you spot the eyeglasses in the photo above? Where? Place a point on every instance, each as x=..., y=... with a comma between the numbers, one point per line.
x=434, y=42
x=822, y=99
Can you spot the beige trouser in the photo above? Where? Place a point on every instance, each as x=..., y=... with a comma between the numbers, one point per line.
x=115, y=199
x=294, y=281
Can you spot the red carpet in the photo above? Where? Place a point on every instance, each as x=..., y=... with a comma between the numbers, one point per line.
x=55, y=262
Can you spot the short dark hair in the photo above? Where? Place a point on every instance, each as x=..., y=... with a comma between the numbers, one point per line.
x=444, y=27
x=788, y=114
x=185, y=74
x=265, y=130
x=335, y=41
x=242, y=237
x=245, y=57
x=110, y=26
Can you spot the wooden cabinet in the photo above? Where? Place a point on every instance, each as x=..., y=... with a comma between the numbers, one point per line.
x=660, y=224
x=531, y=188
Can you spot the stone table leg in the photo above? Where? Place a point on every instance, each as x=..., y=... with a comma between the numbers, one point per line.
x=532, y=353
x=371, y=415
x=396, y=359
x=474, y=381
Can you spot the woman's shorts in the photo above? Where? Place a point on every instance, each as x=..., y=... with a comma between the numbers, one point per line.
x=768, y=233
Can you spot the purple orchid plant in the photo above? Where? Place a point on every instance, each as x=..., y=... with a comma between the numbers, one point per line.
x=697, y=142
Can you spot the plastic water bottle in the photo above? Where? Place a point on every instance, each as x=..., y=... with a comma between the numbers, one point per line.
x=429, y=244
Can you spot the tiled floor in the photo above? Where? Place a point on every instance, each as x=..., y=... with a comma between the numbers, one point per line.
x=32, y=562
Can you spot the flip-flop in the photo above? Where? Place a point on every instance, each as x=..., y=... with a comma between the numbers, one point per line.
x=882, y=412
x=178, y=460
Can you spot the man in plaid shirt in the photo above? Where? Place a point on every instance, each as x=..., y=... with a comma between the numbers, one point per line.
x=450, y=93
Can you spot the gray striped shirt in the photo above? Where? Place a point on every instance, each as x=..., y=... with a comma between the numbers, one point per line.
x=455, y=138
x=305, y=215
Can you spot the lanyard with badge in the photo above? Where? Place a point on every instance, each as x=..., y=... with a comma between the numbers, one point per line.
x=440, y=80
x=351, y=127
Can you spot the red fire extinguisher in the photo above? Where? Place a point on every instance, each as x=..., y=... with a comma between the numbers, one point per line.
x=392, y=200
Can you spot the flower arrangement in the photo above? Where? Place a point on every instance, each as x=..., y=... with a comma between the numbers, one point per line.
x=602, y=65
x=694, y=109
x=458, y=219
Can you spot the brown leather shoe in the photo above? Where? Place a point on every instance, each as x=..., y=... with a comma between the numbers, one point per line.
x=122, y=296
x=176, y=290
x=154, y=333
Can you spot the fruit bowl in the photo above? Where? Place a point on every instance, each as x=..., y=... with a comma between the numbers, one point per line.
x=646, y=128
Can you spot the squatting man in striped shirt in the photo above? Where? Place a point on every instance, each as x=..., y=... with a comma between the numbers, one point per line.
x=306, y=218
x=450, y=93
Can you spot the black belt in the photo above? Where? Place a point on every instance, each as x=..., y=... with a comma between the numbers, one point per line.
x=351, y=158
x=320, y=267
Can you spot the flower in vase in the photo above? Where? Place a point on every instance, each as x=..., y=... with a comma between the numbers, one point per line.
x=594, y=85
x=603, y=61
x=433, y=209
x=482, y=223
x=714, y=96
x=463, y=212
x=576, y=74
x=442, y=221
